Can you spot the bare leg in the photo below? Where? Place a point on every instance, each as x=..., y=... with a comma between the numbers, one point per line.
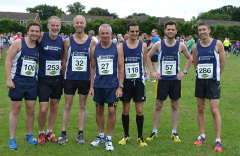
x=83, y=111
x=200, y=115
x=111, y=120
x=157, y=113
x=175, y=114
x=214, y=104
x=100, y=118
x=53, y=113
x=42, y=115
x=13, y=117
x=66, y=111
x=29, y=118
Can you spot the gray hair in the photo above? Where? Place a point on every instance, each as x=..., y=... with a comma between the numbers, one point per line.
x=81, y=16
x=54, y=17
x=92, y=32
x=104, y=26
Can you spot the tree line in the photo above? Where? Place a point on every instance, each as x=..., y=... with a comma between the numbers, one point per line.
x=119, y=25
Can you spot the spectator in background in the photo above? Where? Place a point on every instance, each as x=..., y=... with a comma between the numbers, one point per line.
x=19, y=35
x=126, y=37
x=237, y=47
x=91, y=33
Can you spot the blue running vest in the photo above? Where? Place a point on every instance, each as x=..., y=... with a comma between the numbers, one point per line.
x=169, y=60
x=208, y=62
x=78, y=61
x=133, y=62
x=50, y=50
x=24, y=63
x=106, y=72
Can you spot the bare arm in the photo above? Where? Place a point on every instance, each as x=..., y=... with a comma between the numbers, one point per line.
x=14, y=48
x=144, y=50
x=220, y=49
x=92, y=71
x=156, y=47
x=194, y=55
x=64, y=54
x=120, y=69
x=184, y=50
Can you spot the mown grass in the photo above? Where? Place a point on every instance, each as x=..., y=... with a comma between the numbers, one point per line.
x=163, y=145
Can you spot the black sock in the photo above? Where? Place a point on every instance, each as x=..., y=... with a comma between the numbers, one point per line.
x=64, y=132
x=125, y=122
x=80, y=132
x=139, y=120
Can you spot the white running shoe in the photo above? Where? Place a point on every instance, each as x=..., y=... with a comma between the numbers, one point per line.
x=108, y=145
x=98, y=141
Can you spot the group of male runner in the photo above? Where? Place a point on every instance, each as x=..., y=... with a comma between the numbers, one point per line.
x=107, y=72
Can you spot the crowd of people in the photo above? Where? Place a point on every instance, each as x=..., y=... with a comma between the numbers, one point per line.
x=109, y=68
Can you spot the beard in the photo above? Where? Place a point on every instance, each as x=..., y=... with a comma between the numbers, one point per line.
x=52, y=33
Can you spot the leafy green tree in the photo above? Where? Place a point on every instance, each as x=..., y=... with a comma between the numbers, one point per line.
x=99, y=12
x=76, y=8
x=227, y=10
x=7, y=25
x=44, y=11
x=236, y=14
x=210, y=16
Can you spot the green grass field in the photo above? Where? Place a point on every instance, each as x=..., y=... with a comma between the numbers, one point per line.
x=162, y=145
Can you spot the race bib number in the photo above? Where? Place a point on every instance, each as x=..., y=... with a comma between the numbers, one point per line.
x=105, y=66
x=132, y=70
x=168, y=67
x=205, y=71
x=28, y=68
x=79, y=63
x=53, y=68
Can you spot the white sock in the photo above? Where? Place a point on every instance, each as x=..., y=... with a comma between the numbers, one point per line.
x=109, y=138
x=202, y=135
x=48, y=131
x=218, y=140
x=155, y=131
x=174, y=131
x=41, y=132
x=101, y=135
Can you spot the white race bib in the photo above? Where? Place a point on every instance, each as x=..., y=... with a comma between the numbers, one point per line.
x=28, y=68
x=205, y=71
x=79, y=63
x=105, y=66
x=53, y=68
x=168, y=67
x=132, y=70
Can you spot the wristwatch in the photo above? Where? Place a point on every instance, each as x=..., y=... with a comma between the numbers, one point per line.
x=184, y=72
x=121, y=86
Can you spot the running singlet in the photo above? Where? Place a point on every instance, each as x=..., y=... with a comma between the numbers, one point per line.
x=169, y=60
x=50, y=52
x=133, y=62
x=24, y=63
x=106, y=73
x=78, y=61
x=208, y=62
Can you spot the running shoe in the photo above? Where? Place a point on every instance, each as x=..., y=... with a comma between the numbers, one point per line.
x=109, y=145
x=98, y=141
x=51, y=137
x=218, y=146
x=142, y=141
x=62, y=140
x=12, y=144
x=80, y=139
x=200, y=140
x=124, y=140
x=41, y=139
x=152, y=136
x=29, y=138
x=175, y=137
